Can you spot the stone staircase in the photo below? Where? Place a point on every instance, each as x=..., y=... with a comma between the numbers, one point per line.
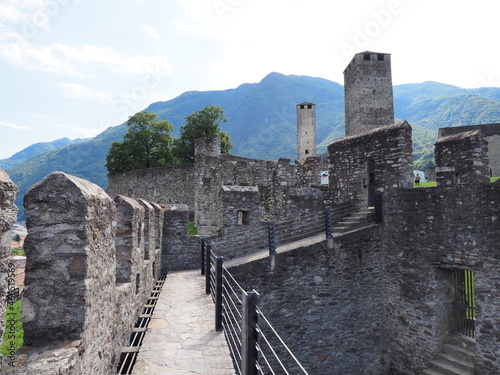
x=456, y=358
x=356, y=220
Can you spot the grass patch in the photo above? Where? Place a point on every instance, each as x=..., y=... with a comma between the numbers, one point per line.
x=433, y=183
x=18, y=251
x=13, y=335
x=425, y=184
x=192, y=231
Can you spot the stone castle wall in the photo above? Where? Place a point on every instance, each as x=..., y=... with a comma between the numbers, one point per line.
x=428, y=232
x=199, y=186
x=91, y=265
x=492, y=134
x=325, y=302
x=390, y=148
x=382, y=302
x=153, y=183
x=462, y=158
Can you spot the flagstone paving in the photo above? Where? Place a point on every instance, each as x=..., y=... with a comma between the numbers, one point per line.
x=181, y=337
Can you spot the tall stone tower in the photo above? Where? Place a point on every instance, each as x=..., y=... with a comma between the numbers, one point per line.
x=306, y=130
x=368, y=92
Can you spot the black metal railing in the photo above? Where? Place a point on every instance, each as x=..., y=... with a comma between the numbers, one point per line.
x=301, y=227
x=129, y=354
x=254, y=344
x=269, y=235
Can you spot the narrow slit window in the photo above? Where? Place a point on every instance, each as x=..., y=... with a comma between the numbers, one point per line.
x=242, y=217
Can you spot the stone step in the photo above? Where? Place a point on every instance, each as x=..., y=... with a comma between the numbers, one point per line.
x=445, y=368
x=430, y=371
x=456, y=361
x=460, y=351
x=341, y=229
x=465, y=342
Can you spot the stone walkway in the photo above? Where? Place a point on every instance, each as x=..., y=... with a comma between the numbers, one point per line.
x=181, y=337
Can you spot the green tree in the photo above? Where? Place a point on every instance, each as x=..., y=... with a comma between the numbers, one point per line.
x=147, y=144
x=200, y=124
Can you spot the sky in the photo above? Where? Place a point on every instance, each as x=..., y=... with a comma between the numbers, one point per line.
x=72, y=68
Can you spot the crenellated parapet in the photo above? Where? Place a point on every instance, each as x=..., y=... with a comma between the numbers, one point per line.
x=462, y=158
x=91, y=264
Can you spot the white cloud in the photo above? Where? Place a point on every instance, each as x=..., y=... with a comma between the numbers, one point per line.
x=152, y=32
x=66, y=59
x=16, y=10
x=14, y=126
x=76, y=91
x=82, y=132
x=41, y=115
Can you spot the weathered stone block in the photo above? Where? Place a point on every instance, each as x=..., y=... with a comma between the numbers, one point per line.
x=70, y=270
x=462, y=158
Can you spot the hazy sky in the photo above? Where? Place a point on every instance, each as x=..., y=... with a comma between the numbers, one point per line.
x=71, y=68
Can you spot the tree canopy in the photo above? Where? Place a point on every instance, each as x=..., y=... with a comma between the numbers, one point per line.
x=147, y=144
x=200, y=124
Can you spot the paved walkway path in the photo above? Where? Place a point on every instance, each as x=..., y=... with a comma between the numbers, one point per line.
x=181, y=337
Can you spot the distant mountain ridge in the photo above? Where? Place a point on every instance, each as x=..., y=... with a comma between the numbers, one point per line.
x=262, y=122
x=36, y=149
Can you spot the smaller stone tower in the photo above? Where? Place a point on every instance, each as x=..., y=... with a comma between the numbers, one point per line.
x=369, y=100
x=306, y=131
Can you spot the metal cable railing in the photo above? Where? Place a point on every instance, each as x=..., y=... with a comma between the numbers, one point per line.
x=242, y=242
x=254, y=344
x=300, y=228
x=277, y=361
x=254, y=347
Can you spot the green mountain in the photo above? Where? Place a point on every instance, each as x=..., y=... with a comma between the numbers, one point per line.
x=35, y=149
x=262, y=122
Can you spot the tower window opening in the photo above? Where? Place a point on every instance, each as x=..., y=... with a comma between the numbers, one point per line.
x=380, y=57
x=307, y=151
x=366, y=56
x=242, y=218
x=302, y=107
x=309, y=106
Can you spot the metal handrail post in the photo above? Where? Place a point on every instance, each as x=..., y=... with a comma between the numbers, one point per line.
x=329, y=222
x=208, y=254
x=218, y=293
x=250, y=336
x=203, y=255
